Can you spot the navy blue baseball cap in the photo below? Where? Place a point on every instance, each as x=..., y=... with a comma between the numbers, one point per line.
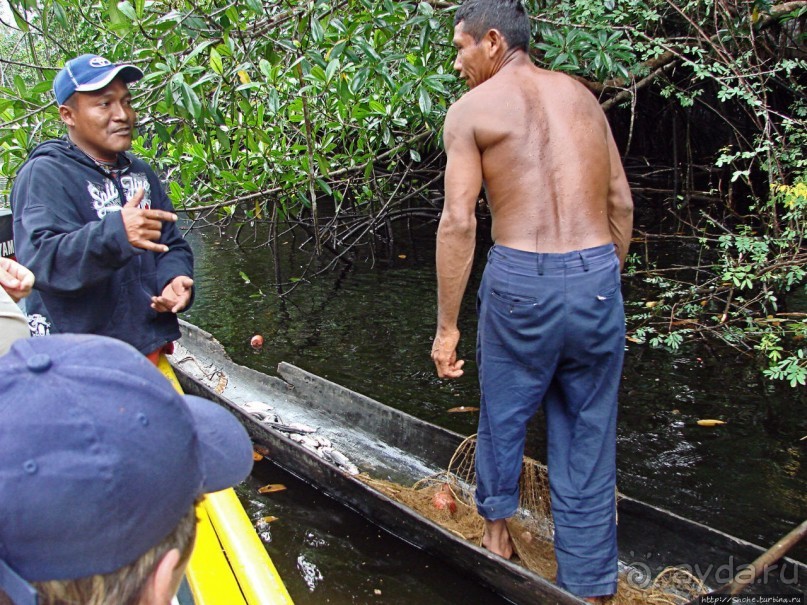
x=100, y=458
x=90, y=72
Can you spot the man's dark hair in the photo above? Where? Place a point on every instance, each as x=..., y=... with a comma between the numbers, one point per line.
x=507, y=16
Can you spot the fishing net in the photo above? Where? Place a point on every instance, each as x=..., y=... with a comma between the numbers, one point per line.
x=447, y=499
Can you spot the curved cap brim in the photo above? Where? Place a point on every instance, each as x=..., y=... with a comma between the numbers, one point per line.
x=129, y=73
x=224, y=445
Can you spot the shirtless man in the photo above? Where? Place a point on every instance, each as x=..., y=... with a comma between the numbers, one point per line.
x=551, y=318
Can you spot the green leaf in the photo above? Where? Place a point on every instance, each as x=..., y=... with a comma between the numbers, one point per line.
x=368, y=50
x=190, y=101
x=266, y=68
x=194, y=53
x=162, y=132
x=318, y=74
x=21, y=22
x=324, y=186
x=60, y=15
x=216, y=63
x=42, y=87
x=175, y=192
x=20, y=85
x=424, y=101
x=22, y=138
x=333, y=66
x=273, y=101
x=126, y=9
x=358, y=80
x=115, y=15
x=317, y=33
x=434, y=83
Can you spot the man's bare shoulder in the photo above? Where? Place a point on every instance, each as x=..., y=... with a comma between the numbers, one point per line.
x=470, y=101
x=479, y=100
x=567, y=86
x=464, y=113
x=503, y=85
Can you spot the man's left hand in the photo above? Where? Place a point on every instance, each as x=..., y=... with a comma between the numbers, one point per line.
x=175, y=297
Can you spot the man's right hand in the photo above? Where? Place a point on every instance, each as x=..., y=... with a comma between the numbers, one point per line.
x=144, y=227
x=444, y=354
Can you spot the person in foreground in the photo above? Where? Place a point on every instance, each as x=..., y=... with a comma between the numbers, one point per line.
x=16, y=283
x=93, y=222
x=551, y=319
x=102, y=464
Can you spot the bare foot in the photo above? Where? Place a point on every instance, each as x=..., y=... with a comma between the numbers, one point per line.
x=497, y=539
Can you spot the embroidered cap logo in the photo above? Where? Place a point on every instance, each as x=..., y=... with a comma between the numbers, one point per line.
x=99, y=62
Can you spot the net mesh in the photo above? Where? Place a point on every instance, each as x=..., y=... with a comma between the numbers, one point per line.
x=447, y=499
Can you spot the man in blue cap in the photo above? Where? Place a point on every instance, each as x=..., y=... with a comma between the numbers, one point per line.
x=102, y=462
x=93, y=222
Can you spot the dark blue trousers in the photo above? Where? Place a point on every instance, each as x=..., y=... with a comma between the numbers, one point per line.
x=552, y=332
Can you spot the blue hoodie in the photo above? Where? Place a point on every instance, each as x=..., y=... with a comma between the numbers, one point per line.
x=68, y=230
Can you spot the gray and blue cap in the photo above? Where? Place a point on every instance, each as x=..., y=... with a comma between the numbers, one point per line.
x=88, y=73
x=101, y=458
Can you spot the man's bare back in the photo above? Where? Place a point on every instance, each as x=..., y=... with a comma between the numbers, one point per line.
x=541, y=145
x=546, y=158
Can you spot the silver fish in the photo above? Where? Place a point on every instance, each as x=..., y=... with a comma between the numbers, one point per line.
x=323, y=441
x=294, y=427
x=257, y=406
x=340, y=460
x=305, y=441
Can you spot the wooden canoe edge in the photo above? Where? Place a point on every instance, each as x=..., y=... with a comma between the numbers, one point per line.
x=399, y=429
x=513, y=582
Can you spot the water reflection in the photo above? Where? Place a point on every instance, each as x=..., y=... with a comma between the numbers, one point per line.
x=370, y=329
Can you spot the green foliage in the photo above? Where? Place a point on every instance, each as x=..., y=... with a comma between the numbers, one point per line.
x=604, y=55
x=280, y=105
x=743, y=299
x=275, y=107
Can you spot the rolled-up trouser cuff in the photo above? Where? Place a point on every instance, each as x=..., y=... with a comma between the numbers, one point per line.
x=590, y=590
x=497, y=507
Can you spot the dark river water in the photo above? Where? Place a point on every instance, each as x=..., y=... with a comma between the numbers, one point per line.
x=369, y=327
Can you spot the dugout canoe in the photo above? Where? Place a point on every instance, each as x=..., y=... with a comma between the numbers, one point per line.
x=390, y=444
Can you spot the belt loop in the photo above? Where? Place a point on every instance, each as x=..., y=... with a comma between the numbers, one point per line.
x=584, y=261
x=490, y=250
x=541, y=257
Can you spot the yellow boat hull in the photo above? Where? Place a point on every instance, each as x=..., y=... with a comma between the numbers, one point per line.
x=229, y=564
